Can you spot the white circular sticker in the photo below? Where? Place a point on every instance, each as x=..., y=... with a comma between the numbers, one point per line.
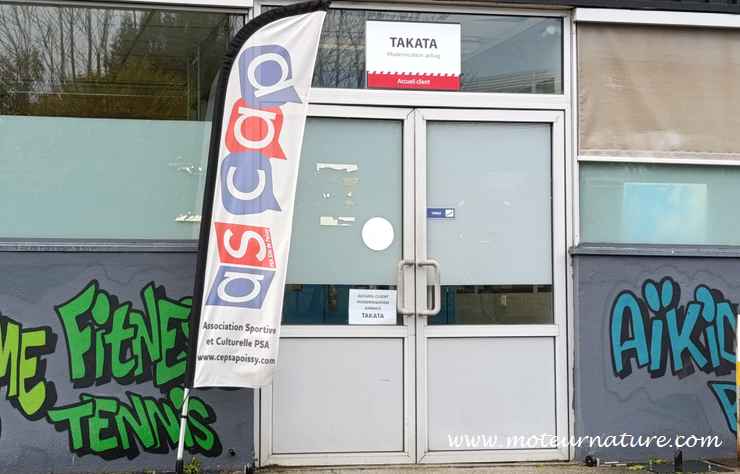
x=377, y=233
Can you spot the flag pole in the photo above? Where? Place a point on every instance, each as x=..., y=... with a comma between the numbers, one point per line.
x=212, y=170
x=183, y=427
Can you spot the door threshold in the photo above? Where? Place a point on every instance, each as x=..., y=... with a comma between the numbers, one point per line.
x=476, y=468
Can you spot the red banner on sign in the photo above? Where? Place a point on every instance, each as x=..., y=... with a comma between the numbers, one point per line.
x=385, y=80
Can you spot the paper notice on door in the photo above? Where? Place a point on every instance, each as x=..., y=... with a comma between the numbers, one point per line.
x=372, y=306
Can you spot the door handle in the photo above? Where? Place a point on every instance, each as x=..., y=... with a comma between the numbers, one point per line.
x=400, y=294
x=437, y=306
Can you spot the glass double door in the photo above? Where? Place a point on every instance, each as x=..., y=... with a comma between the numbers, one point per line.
x=425, y=316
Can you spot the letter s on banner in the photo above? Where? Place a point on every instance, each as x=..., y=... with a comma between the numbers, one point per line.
x=259, y=118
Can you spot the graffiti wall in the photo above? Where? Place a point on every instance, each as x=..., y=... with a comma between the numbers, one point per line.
x=92, y=359
x=655, y=352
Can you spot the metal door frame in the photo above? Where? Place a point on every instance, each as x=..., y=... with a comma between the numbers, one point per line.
x=413, y=289
x=263, y=397
x=557, y=330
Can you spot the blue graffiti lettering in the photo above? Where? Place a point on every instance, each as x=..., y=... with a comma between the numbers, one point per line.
x=649, y=331
x=725, y=395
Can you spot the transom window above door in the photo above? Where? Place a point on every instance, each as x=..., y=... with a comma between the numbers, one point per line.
x=499, y=53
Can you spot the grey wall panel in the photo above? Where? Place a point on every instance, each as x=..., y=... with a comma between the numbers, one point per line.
x=337, y=395
x=101, y=392
x=675, y=377
x=502, y=389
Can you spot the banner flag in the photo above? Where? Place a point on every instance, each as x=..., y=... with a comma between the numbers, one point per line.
x=258, y=123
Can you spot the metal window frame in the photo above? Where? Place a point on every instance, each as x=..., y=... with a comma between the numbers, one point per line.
x=558, y=331
x=713, y=6
x=226, y=6
x=327, y=96
x=565, y=102
x=143, y=245
x=264, y=406
x=698, y=20
x=437, y=99
x=657, y=17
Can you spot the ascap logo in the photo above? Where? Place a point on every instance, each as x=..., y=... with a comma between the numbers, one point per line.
x=246, y=177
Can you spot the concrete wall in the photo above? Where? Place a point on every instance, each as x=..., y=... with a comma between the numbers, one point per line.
x=654, y=340
x=91, y=365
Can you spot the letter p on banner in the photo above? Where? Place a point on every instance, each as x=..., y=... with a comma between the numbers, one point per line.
x=258, y=123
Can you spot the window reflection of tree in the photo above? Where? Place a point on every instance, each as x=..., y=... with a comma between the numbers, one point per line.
x=85, y=62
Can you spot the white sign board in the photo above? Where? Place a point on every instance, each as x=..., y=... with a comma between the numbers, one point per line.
x=372, y=306
x=410, y=55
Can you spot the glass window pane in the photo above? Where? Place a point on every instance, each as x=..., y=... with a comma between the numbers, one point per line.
x=659, y=204
x=103, y=130
x=350, y=172
x=496, y=253
x=516, y=54
x=657, y=91
x=100, y=178
x=495, y=304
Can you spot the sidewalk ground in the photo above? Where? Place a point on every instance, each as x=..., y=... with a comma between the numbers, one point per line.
x=517, y=468
x=514, y=468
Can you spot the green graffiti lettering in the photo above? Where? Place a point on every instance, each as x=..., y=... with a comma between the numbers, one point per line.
x=73, y=419
x=108, y=340
x=31, y=399
x=118, y=340
x=199, y=416
x=22, y=369
x=101, y=422
x=79, y=340
x=147, y=330
x=172, y=365
x=164, y=420
x=110, y=428
x=135, y=421
x=10, y=338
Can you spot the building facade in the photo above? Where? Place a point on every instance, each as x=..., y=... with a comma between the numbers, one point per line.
x=564, y=249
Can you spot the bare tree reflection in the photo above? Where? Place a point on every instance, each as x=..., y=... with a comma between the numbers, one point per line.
x=99, y=62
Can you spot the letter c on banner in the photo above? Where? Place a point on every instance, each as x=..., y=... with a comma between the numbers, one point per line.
x=245, y=195
x=246, y=184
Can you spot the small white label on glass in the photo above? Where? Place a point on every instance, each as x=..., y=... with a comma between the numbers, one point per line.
x=372, y=306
